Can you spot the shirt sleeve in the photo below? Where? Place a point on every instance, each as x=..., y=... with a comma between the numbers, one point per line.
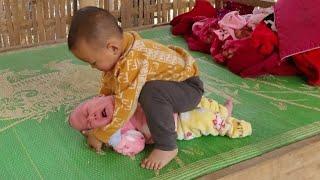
x=106, y=87
x=130, y=79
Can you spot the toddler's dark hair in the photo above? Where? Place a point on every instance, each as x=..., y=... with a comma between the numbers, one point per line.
x=94, y=25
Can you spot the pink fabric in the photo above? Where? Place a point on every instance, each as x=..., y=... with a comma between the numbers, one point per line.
x=203, y=36
x=204, y=29
x=205, y=39
x=209, y=36
x=139, y=122
x=298, y=26
x=258, y=14
x=231, y=21
x=132, y=142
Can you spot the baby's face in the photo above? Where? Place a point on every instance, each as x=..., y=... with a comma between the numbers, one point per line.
x=94, y=113
x=102, y=58
x=100, y=111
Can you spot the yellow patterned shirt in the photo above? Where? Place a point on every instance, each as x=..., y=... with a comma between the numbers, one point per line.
x=143, y=60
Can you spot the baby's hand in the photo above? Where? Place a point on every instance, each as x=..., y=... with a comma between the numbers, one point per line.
x=92, y=141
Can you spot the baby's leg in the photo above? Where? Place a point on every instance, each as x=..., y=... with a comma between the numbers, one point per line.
x=159, y=100
x=229, y=105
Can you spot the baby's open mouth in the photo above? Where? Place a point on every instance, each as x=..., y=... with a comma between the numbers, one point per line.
x=104, y=113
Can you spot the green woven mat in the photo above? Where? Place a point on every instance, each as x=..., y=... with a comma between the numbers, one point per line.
x=39, y=87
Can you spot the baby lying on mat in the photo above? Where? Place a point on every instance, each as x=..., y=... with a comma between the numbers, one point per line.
x=209, y=118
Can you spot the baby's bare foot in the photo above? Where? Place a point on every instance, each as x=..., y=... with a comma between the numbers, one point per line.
x=158, y=159
x=229, y=105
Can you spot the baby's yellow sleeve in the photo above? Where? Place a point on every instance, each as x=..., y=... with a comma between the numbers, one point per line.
x=130, y=79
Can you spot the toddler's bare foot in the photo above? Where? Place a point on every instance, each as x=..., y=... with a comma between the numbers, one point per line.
x=158, y=159
x=229, y=105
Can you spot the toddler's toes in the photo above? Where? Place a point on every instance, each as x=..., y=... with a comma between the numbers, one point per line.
x=159, y=166
x=144, y=163
x=149, y=164
x=154, y=166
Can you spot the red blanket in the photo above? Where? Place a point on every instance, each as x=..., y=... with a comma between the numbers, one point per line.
x=298, y=36
x=309, y=64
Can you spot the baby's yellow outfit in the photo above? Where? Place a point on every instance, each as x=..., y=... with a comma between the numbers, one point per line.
x=210, y=118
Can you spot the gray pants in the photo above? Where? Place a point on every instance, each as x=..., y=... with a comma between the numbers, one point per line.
x=160, y=99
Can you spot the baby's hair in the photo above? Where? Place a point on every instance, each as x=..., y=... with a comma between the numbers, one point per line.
x=94, y=25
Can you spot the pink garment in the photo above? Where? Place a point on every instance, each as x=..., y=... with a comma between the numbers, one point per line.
x=208, y=36
x=231, y=21
x=258, y=14
x=234, y=21
x=203, y=34
x=205, y=39
x=132, y=142
x=204, y=29
x=298, y=26
x=259, y=10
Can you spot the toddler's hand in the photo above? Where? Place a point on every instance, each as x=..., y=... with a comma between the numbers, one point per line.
x=92, y=141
